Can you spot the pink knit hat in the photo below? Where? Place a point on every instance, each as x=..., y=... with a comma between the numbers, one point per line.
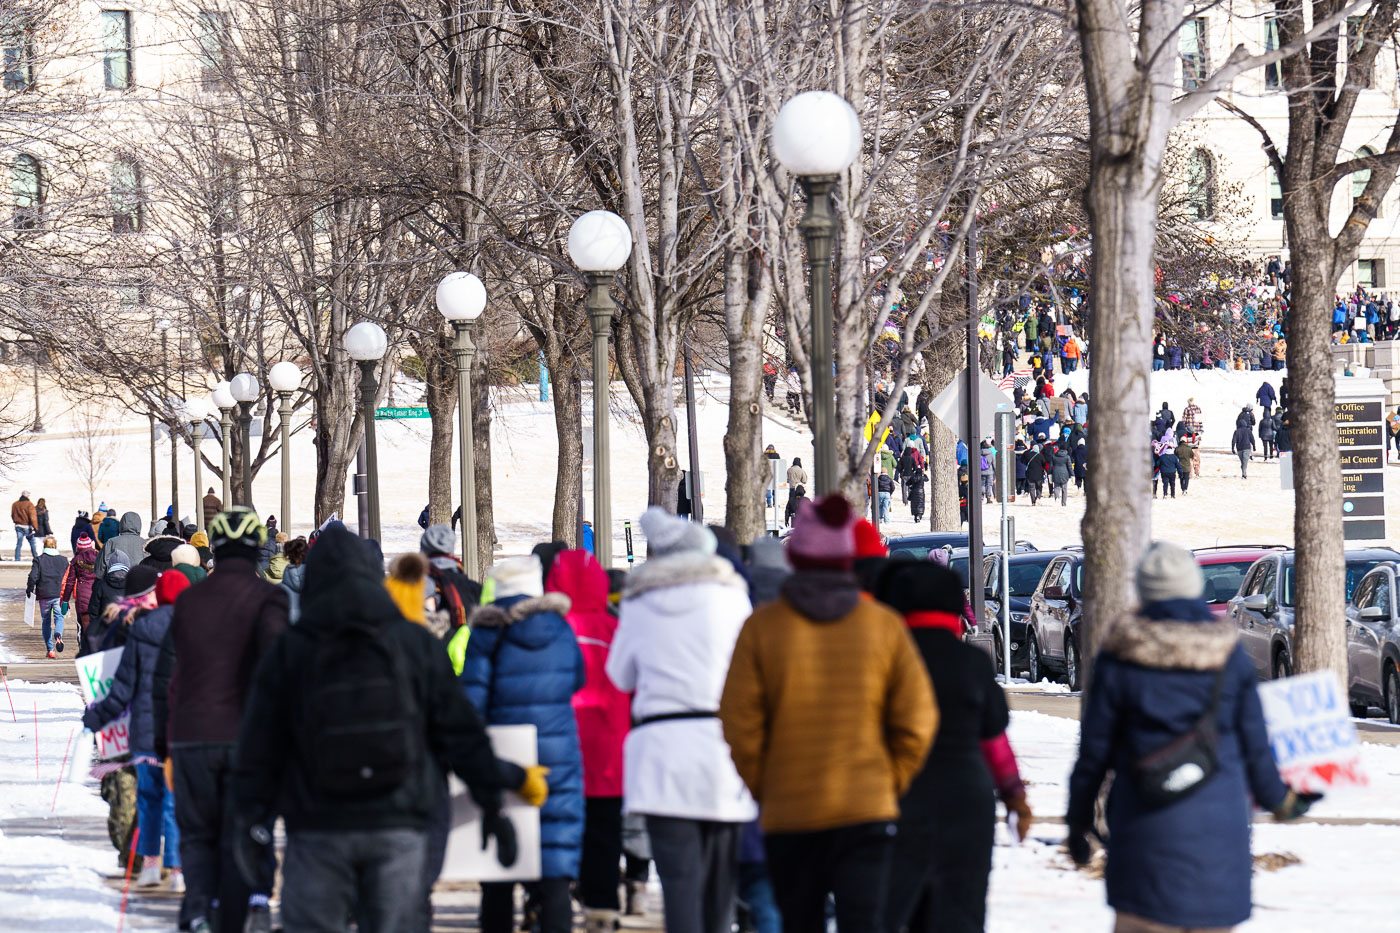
x=823, y=534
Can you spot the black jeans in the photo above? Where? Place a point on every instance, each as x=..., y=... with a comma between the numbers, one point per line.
x=551, y=897
x=939, y=887
x=698, y=862
x=204, y=813
x=329, y=875
x=1185, y=477
x=598, y=872
x=1168, y=485
x=851, y=863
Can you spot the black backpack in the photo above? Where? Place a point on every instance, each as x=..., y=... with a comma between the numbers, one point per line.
x=359, y=729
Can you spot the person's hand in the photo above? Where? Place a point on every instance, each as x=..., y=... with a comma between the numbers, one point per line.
x=499, y=825
x=1078, y=844
x=169, y=768
x=1295, y=805
x=1016, y=804
x=535, y=790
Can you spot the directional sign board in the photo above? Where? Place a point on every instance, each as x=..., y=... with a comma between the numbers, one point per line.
x=1360, y=418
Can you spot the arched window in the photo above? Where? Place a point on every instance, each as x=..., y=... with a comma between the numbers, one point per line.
x=127, y=196
x=27, y=185
x=1200, y=184
x=1359, y=180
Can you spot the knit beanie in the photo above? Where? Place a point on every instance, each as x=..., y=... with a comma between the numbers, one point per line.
x=1167, y=571
x=170, y=585
x=671, y=534
x=516, y=576
x=868, y=541
x=85, y=541
x=185, y=554
x=438, y=539
x=823, y=534
x=405, y=584
x=140, y=580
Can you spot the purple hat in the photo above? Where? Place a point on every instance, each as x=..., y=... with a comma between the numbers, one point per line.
x=823, y=534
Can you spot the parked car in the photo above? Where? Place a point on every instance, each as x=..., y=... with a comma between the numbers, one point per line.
x=957, y=558
x=1224, y=569
x=1263, y=609
x=918, y=546
x=1052, y=623
x=1026, y=569
x=1373, y=643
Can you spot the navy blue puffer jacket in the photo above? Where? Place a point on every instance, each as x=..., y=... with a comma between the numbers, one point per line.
x=132, y=683
x=523, y=665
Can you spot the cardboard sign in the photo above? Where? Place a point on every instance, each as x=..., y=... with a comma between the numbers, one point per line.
x=29, y=611
x=466, y=860
x=1310, y=729
x=95, y=673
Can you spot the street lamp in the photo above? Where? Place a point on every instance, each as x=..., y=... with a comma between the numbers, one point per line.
x=224, y=401
x=245, y=391
x=816, y=137
x=461, y=298
x=366, y=343
x=196, y=410
x=285, y=378
x=599, y=243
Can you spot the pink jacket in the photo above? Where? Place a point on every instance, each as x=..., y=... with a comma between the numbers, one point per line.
x=602, y=711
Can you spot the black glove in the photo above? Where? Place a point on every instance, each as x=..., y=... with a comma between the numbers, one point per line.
x=1295, y=805
x=252, y=852
x=1078, y=844
x=499, y=825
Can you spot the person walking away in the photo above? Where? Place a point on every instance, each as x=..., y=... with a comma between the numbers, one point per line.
x=1268, y=426
x=1061, y=468
x=1170, y=466
x=355, y=781
x=212, y=506
x=127, y=540
x=1185, y=457
x=1266, y=397
x=1035, y=472
x=106, y=590
x=132, y=688
x=45, y=583
x=199, y=702
x=450, y=592
x=26, y=520
x=603, y=714
x=947, y=821
x=884, y=486
x=917, y=480
x=1191, y=417
x=1080, y=456
x=523, y=665
x=200, y=542
x=680, y=614
x=829, y=715
x=796, y=476
x=985, y=466
x=42, y=528
x=82, y=526
x=1242, y=444
x=78, y=582
x=1160, y=672
x=108, y=528
x=768, y=567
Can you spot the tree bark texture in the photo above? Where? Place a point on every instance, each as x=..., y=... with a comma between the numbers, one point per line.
x=440, y=385
x=568, y=428
x=481, y=437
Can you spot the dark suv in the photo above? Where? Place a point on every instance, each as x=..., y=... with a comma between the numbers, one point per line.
x=1052, y=624
x=1263, y=608
x=1026, y=571
x=1373, y=643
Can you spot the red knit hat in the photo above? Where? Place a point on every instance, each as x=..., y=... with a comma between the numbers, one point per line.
x=823, y=534
x=170, y=585
x=868, y=540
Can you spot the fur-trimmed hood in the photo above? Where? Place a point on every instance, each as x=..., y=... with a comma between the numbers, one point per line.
x=1171, y=645
x=681, y=569
x=509, y=612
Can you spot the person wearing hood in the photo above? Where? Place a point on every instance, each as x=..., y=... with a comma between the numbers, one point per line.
x=185, y=560
x=277, y=564
x=355, y=797
x=132, y=689
x=1242, y=445
x=1160, y=672
x=199, y=702
x=106, y=590
x=768, y=568
x=1245, y=419
x=947, y=821
x=46, y=578
x=79, y=580
x=1170, y=466
x=829, y=714
x=200, y=542
x=294, y=576
x=1061, y=469
x=128, y=541
x=158, y=551
x=1080, y=456
x=603, y=715
x=1268, y=429
x=680, y=614
x=1036, y=467
x=523, y=665
x=1266, y=396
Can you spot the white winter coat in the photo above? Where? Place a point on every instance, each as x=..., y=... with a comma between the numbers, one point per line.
x=679, y=619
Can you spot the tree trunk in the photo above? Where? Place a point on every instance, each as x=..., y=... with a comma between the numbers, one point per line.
x=943, y=361
x=943, y=477
x=481, y=437
x=440, y=382
x=568, y=474
x=1320, y=566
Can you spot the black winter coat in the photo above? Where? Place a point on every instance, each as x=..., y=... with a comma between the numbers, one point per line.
x=1242, y=440
x=133, y=683
x=1081, y=460
x=343, y=586
x=1035, y=467
x=46, y=576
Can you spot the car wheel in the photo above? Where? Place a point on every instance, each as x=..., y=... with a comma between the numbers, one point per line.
x=1282, y=666
x=1392, y=695
x=1360, y=710
x=1071, y=664
x=1033, y=671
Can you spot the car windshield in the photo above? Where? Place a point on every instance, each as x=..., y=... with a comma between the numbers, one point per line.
x=1025, y=574
x=1356, y=569
x=1223, y=580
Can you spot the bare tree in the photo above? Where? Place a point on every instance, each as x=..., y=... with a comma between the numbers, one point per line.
x=95, y=450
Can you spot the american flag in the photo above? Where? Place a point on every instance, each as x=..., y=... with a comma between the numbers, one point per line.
x=1021, y=377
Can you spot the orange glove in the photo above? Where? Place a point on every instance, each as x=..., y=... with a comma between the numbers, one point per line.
x=169, y=769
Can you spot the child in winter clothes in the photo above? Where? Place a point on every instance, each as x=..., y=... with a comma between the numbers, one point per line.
x=46, y=577
x=79, y=581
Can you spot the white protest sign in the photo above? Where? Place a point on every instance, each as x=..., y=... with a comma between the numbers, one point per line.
x=95, y=673
x=1310, y=729
x=466, y=860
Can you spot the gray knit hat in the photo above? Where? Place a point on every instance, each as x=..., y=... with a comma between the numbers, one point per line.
x=438, y=539
x=1167, y=571
x=671, y=534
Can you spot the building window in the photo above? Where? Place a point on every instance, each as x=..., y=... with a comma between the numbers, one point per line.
x=1195, y=48
x=1200, y=184
x=212, y=29
x=1275, y=195
x=1360, y=179
x=1370, y=273
x=1273, y=74
x=1356, y=44
x=132, y=296
x=116, y=49
x=18, y=43
x=127, y=197
x=27, y=185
